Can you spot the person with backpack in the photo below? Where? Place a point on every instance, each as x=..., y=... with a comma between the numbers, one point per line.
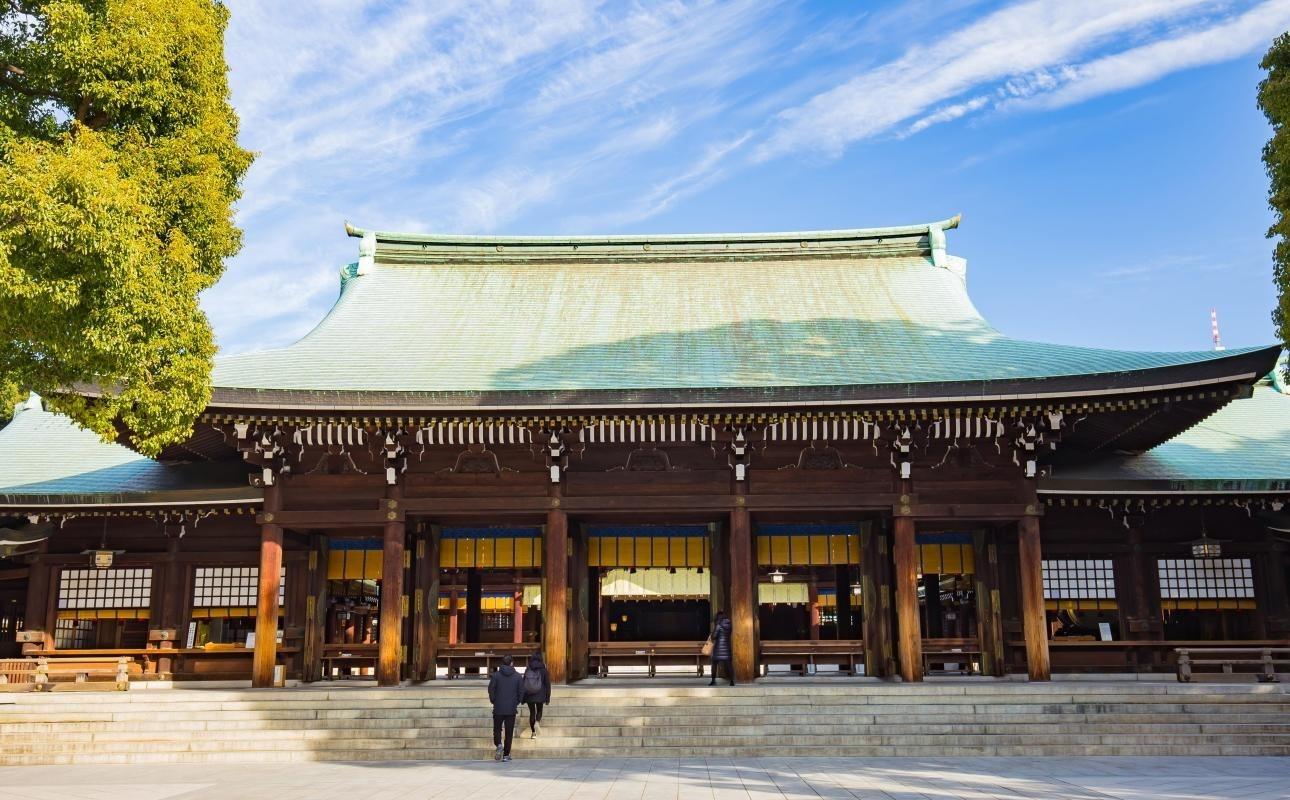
x=721, y=630
x=537, y=692
x=505, y=692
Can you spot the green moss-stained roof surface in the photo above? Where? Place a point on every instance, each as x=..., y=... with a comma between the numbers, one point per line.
x=437, y=314
x=1245, y=446
x=47, y=458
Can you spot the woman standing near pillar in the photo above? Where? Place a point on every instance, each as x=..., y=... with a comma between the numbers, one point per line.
x=721, y=629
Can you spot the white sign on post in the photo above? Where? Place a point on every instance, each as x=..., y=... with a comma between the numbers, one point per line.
x=1104, y=631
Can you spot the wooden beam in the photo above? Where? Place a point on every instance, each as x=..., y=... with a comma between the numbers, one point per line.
x=909, y=640
x=344, y=518
x=555, y=595
x=743, y=596
x=425, y=607
x=842, y=587
x=1033, y=615
x=266, y=617
x=390, y=635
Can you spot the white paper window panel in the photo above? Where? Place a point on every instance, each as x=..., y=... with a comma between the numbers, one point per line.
x=232, y=586
x=1078, y=579
x=105, y=588
x=1221, y=578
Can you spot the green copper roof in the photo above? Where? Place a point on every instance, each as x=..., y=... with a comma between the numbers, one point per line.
x=433, y=314
x=1245, y=446
x=46, y=459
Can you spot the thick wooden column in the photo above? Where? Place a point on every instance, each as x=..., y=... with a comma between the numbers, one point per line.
x=425, y=605
x=718, y=569
x=1270, y=589
x=390, y=644
x=1137, y=587
x=579, y=604
x=743, y=595
x=909, y=640
x=315, y=608
x=875, y=587
x=37, y=617
x=266, y=613
x=555, y=595
x=988, y=611
x=1034, y=623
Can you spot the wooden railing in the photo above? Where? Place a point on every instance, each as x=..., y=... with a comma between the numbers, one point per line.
x=1125, y=655
x=650, y=655
x=803, y=657
x=1264, y=661
x=481, y=655
x=961, y=653
x=18, y=672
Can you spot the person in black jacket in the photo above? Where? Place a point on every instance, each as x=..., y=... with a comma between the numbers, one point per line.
x=537, y=692
x=721, y=630
x=505, y=691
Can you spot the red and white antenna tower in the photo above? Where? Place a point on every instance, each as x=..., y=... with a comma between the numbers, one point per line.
x=1213, y=327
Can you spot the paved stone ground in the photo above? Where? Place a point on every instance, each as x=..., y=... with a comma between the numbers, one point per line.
x=648, y=779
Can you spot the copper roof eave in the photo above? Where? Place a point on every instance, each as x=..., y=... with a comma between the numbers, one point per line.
x=187, y=498
x=1241, y=368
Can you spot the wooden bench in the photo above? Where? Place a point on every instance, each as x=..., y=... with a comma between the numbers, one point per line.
x=17, y=674
x=650, y=655
x=948, y=651
x=348, y=656
x=83, y=671
x=1265, y=660
x=808, y=655
x=481, y=655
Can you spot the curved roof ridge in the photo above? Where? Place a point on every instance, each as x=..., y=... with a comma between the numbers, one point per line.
x=661, y=238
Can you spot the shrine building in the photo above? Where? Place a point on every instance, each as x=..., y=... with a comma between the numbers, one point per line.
x=493, y=445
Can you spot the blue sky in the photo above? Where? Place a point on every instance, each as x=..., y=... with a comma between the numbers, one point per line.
x=1104, y=153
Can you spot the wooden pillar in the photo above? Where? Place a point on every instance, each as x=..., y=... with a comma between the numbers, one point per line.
x=555, y=595
x=1137, y=587
x=813, y=601
x=266, y=615
x=743, y=594
x=474, y=604
x=425, y=605
x=909, y=640
x=579, y=605
x=452, y=613
x=37, y=618
x=517, y=616
x=1270, y=589
x=718, y=570
x=1033, y=617
x=595, y=633
x=988, y=611
x=842, y=584
x=315, y=609
x=932, y=602
x=875, y=587
x=390, y=637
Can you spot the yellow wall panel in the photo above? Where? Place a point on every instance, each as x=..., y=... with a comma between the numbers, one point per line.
x=695, y=549
x=524, y=552
x=335, y=565
x=969, y=559
x=593, y=551
x=838, y=549
x=465, y=553
x=659, y=554
x=537, y=552
x=820, y=550
x=779, y=555
x=643, y=553
x=763, y=551
x=487, y=550
x=929, y=558
x=952, y=559
x=505, y=557
x=853, y=548
x=676, y=551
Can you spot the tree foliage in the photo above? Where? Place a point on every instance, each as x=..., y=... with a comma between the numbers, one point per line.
x=1274, y=102
x=119, y=166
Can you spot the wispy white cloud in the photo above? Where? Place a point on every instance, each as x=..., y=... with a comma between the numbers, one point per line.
x=1016, y=51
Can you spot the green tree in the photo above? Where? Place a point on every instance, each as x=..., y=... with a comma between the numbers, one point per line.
x=1274, y=102
x=119, y=167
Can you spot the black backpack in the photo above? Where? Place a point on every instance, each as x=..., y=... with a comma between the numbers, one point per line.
x=532, y=682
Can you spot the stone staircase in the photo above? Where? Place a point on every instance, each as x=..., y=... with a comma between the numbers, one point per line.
x=450, y=720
